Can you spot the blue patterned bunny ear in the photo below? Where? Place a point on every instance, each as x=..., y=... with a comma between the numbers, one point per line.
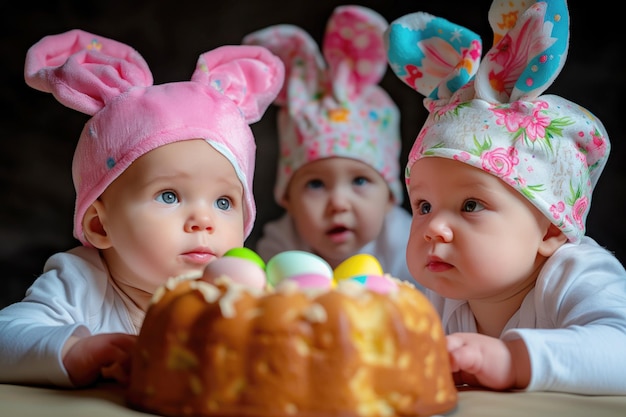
x=431, y=54
x=503, y=16
x=530, y=49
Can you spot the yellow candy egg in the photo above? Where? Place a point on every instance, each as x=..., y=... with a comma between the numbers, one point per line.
x=356, y=265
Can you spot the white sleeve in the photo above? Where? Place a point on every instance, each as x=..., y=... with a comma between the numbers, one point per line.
x=278, y=236
x=34, y=330
x=579, y=338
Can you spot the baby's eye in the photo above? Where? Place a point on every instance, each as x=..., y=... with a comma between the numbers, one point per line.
x=223, y=203
x=167, y=197
x=360, y=181
x=472, y=205
x=423, y=207
x=315, y=184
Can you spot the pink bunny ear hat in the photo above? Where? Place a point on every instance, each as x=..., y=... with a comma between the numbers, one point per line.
x=491, y=115
x=231, y=87
x=336, y=110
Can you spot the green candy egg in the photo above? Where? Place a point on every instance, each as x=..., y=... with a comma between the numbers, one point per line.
x=248, y=254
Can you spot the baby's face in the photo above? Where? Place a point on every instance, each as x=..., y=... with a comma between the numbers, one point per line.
x=173, y=211
x=472, y=235
x=338, y=205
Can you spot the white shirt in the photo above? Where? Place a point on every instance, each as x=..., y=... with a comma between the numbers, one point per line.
x=74, y=295
x=389, y=247
x=573, y=322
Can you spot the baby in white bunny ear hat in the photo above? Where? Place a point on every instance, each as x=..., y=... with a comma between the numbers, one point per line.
x=338, y=176
x=500, y=179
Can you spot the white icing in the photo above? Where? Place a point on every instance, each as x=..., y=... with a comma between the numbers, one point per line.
x=158, y=294
x=227, y=302
x=315, y=313
x=210, y=292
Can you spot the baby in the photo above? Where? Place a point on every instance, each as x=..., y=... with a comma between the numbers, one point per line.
x=338, y=175
x=500, y=180
x=163, y=177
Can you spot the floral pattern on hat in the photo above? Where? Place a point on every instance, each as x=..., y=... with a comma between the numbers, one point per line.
x=492, y=114
x=331, y=104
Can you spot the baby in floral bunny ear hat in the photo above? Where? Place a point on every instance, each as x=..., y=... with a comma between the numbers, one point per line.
x=338, y=175
x=500, y=179
x=163, y=178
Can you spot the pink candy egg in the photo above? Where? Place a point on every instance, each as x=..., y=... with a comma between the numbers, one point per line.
x=240, y=270
x=311, y=281
x=376, y=283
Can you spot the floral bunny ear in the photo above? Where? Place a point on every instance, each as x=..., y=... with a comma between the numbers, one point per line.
x=354, y=55
x=437, y=58
x=432, y=55
x=84, y=78
x=354, y=49
x=528, y=57
x=503, y=17
x=303, y=62
x=331, y=105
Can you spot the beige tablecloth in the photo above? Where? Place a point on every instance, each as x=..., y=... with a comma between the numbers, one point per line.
x=108, y=400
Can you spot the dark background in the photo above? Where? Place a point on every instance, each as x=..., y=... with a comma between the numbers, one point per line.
x=38, y=134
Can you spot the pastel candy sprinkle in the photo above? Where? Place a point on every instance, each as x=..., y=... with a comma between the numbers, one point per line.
x=378, y=283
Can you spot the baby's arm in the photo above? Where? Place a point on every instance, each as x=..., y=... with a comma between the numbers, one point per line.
x=86, y=359
x=71, y=299
x=482, y=360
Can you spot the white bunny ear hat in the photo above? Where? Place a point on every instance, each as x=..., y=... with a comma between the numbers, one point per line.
x=231, y=87
x=491, y=114
x=332, y=106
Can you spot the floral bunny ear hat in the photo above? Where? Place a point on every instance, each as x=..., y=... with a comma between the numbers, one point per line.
x=331, y=105
x=491, y=114
x=231, y=87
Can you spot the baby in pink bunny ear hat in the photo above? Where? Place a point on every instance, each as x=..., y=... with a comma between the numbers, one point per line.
x=500, y=180
x=163, y=177
x=338, y=177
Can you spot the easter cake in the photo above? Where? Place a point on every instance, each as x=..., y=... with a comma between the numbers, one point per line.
x=291, y=338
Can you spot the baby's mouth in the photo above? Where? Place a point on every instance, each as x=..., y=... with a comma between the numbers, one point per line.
x=337, y=230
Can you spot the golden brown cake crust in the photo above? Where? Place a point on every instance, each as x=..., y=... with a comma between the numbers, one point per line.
x=223, y=350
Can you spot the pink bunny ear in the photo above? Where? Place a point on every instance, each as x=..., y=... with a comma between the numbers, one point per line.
x=250, y=76
x=354, y=49
x=303, y=61
x=84, y=71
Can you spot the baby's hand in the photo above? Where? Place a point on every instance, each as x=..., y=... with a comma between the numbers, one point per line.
x=104, y=355
x=481, y=360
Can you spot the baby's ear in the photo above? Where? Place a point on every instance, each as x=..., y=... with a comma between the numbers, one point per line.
x=552, y=240
x=285, y=201
x=93, y=229
x=391, y=202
